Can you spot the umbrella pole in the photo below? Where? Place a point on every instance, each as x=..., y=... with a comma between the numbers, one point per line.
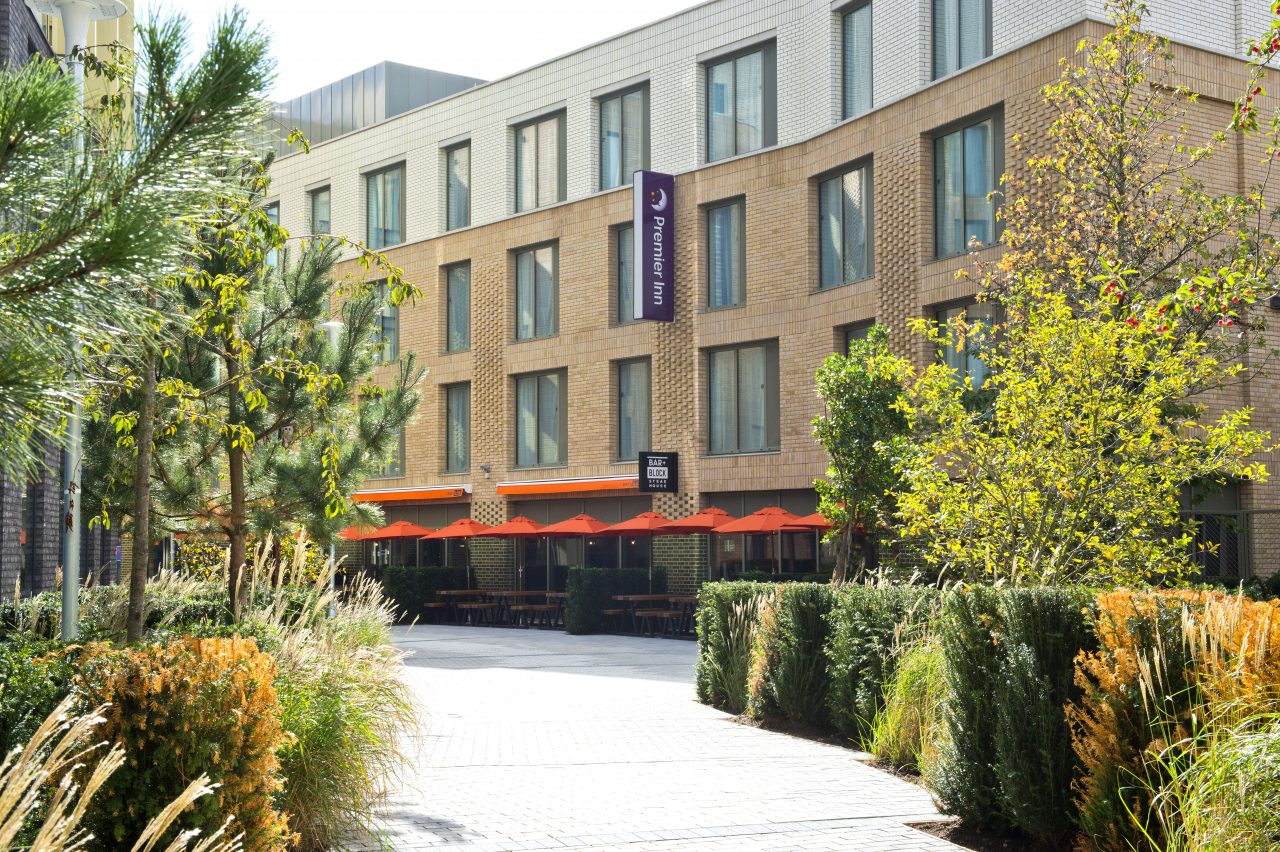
x=650, y=564
x=779, y=553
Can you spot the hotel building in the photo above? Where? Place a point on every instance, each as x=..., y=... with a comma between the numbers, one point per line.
x=832, y=162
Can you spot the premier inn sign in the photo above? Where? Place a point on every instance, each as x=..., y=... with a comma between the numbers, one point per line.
x=654, y=287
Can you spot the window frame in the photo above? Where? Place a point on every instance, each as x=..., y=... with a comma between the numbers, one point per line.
x=449, y=348
x=622, y=286
x=935, y=73
x=965, y=304
x=768, y=97
x=741, y=202
x=395, y=467
x=619, y=366
x=560, y=117
x=846, y=14
x=554, y=245
x=402, y=213
x=995, y=115
x=624, y=179
x=386, y=310
x=562, y=440
x=773, y=416
x=465, y=465
x=867, y=166
x=852, y=331
x=272, y=210
x=312, y=195
x=448, y=185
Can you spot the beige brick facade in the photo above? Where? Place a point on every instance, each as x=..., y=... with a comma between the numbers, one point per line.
x=783, y=304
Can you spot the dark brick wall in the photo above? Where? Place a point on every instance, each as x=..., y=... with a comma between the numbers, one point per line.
x=10, y=534
x=45, y=533
x=20, y=34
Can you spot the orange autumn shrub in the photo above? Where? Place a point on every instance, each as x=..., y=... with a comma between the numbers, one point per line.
x=1167, y=663
x=192, y=707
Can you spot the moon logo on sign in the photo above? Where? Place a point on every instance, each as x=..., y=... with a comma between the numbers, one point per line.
x=658, y=200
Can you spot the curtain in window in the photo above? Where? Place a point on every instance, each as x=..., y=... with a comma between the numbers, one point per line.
x=722, y=368
x=979, y=180
x=725, y=261
x=749, y=101
x=458, y=189
x=946, y=48
x=459, y=308
x=854, y=210
x=527, y=421
x=830, y=238
x=720, y=106
x=948, y=159
x=458, y=451
x=548, y=161
x=857, y=69
x=320, y=207
x=524, y=295
x=383, y=192
x=972, y=17
x=526, y=167
x=752, y=432
x=626, y=294
x=273, y=216
x=546, y=320
x=611, y=143
x=843, y=228
x=633, y=408
x=632, y=135
x=549, y=449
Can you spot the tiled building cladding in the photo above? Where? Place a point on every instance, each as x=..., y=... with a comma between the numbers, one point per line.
x=778, y=184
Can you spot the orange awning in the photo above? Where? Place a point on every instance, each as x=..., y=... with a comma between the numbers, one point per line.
x=407, y=495
x=569, y=486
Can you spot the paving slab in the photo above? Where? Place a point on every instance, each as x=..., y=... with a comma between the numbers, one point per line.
x=538, y=740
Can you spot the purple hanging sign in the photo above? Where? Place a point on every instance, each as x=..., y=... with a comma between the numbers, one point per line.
x=654, y=248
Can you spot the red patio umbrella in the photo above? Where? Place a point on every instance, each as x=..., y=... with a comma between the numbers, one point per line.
x=578, y=525
x=702, y=522
x=461, y=528
x=518, y=527
x=771, y=520
x=352, y=534
x=645, y=525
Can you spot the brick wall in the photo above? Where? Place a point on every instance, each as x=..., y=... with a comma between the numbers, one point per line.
x=20, y=34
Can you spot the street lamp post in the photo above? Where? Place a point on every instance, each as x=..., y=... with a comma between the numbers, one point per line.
x=76, y=16
x=333, y=328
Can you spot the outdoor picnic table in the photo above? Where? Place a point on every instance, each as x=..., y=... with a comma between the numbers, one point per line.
x=458, y=593
x=505, y=598
x=629, y=603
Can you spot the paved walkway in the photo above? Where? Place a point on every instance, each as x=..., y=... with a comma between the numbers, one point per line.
x=538, y=740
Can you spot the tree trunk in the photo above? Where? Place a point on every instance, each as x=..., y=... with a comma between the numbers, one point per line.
x=237, y=522
x=141, y=563
x=840, y=573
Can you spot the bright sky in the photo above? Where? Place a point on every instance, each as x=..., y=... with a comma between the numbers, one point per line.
x=319, y=41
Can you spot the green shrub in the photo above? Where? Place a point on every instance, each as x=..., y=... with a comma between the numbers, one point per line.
x=410, y=587
x=788, y=667
x=726, y=631
x=197, y=706
x=590, y=590
x=869, y=627
x=907, y=731
x=1007, y=761
x=34, y=678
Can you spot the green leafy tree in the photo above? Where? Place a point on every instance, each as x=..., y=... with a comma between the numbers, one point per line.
x=82, y=233
x=864, y=433
x=1124, y=295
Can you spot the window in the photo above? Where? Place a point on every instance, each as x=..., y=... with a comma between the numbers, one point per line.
x=273, y=216
x=320, y=206
x=855, y=331
x=844, y=227
x=394, y=466
x=743, y=398
x=540, y=175
x=540, y=419
x=855, y=43
x=741, y=103
x=384, y=196
x=457, y=331
x=386, y=329
x=537, y=296
x=457, y=189
x=633, y=408
x=961, y=34
x=457, y=450
x=624, y=136
x=966, y=165
x=625, y=272
x=726, y=255
x=965, y=361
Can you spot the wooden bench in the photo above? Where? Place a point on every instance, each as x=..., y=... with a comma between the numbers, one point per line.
x=437, y=607
x=670, y=618
x=526, y=614
x=471, y=608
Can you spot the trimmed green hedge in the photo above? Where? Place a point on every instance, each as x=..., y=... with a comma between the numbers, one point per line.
x=1007, y=761
x=590, y=590
x=410, y=587
x=788, y=667
x=726, y=630
x=870, y=627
